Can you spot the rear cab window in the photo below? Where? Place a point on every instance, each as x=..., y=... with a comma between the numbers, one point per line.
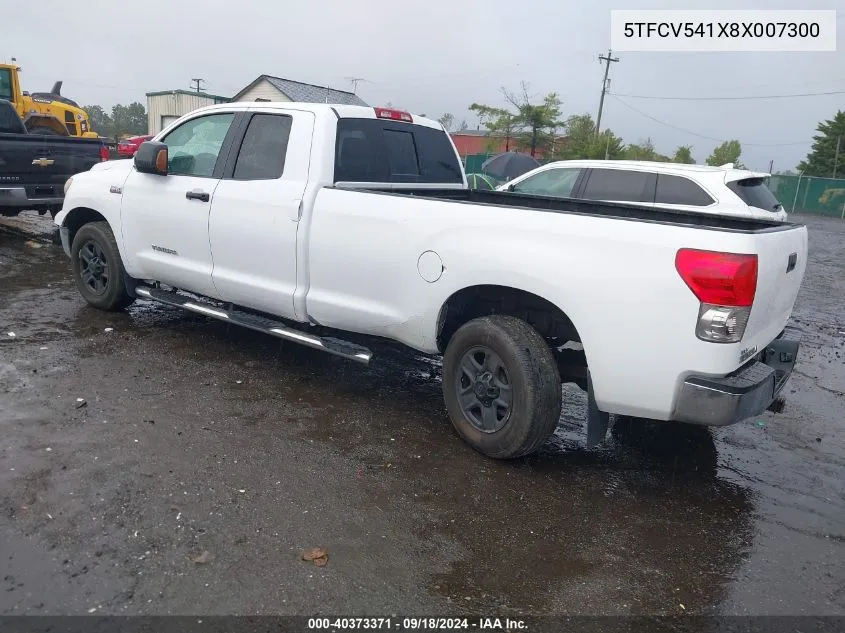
x=755, y=193
x=381, y=151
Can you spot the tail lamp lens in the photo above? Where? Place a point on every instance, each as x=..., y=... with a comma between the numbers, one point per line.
x=725, y=284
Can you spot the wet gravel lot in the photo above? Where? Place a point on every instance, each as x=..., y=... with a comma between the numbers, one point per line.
x=202, y=460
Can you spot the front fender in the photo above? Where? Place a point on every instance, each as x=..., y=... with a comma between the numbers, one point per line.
x=93, y=196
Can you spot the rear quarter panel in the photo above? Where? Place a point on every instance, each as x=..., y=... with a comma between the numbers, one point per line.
x=615, y=279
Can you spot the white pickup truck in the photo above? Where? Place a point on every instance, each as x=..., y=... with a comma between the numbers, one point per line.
x=307, y=220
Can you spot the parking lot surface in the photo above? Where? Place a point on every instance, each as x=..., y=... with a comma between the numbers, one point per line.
x=157, y=462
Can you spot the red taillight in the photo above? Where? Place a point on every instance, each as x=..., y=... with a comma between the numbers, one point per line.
x=104, y=152
x=721, y=279
x=394, y=115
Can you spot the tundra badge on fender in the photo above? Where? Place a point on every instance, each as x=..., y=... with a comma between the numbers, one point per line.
x=747, y=353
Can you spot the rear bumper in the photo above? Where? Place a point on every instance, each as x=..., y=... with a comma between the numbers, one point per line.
x=747, y=392
x=17, y=198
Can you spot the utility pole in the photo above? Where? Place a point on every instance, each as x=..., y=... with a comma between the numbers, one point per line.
x=197, y=81
x=355, y=81
x=607, y=61
x=836, y=159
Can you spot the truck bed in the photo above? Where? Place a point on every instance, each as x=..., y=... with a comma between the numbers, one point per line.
x=612, y=210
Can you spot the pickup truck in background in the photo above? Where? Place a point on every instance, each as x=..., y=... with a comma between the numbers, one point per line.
x=305, y=221
x=34, y=167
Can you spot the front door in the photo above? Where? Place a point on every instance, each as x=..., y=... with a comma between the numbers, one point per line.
x=255, y=215
x=165, y=218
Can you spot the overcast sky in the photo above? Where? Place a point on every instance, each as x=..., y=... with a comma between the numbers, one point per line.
x=433, y=57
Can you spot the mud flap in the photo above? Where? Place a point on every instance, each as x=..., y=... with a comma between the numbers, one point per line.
x=131, y=283
x=597, y=421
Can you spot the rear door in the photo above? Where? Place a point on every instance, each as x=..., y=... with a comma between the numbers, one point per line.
x=255, y=215
x=619, y=185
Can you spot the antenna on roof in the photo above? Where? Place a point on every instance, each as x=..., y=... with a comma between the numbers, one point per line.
x=355, y=81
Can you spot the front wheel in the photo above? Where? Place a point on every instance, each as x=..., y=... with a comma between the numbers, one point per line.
x=98, y=269
x=502, y=387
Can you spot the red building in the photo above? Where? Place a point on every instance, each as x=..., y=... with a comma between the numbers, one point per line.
x=470, y=142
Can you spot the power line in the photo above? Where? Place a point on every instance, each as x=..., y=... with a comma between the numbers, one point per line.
x=709, y=138
x=666, y=98
x=197, y=81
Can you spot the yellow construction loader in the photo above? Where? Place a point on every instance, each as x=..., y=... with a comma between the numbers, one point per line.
x=44, y=112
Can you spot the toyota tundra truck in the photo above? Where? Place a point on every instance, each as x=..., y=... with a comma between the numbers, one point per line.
x=309, y=221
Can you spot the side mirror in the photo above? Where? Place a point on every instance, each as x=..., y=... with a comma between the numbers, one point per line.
x=511, y=187
x=151, y=158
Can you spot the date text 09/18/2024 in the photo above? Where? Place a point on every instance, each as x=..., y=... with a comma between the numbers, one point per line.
x=416, y=624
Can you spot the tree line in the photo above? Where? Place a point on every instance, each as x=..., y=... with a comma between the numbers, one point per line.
x=536, y=127
x=825, y=158
x=123, y=120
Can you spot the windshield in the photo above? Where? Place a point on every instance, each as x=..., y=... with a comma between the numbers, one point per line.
x=755, y=193
x=5, y=84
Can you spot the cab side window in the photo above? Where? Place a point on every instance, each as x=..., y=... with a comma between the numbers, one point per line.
x=263, y=150
x=194, y=147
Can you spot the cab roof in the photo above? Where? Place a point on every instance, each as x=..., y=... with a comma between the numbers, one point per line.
x=341, y=111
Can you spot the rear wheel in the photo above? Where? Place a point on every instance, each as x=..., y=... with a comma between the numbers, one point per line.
x=502, y=387
x=97, y=267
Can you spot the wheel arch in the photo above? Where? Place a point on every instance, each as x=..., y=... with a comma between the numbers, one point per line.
x=480, y=300
x=78, y=217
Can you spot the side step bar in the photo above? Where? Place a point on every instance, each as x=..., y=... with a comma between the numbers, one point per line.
x=335, y=346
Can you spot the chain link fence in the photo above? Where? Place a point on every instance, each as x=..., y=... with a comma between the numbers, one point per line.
x=810, y=194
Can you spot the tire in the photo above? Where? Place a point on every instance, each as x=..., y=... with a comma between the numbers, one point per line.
x=105, y=286
x=496, y=360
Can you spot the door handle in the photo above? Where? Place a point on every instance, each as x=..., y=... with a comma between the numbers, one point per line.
x=196, y=194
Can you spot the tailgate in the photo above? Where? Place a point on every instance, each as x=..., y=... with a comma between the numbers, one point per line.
x=45, y=161
x=782, y=260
